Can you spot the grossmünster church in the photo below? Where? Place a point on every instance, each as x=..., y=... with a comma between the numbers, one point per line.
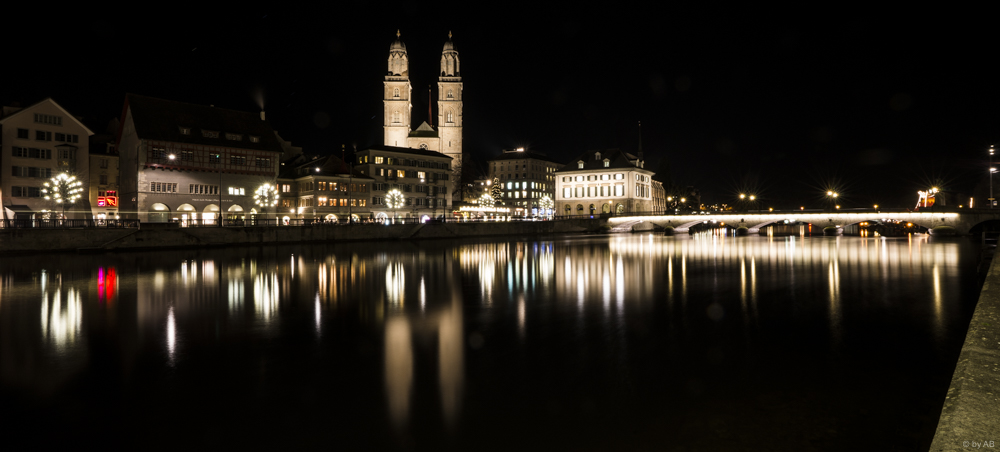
x=446, y=136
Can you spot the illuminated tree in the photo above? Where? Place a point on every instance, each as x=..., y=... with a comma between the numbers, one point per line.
x=394, y=199
x=496, y=191
x=64, y=189
x=546, y=204
x=486, y=201
x=266, y=196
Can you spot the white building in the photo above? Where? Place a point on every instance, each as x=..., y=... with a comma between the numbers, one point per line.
x=446, y=136
x=604, y=182
x=525, y=177
x=422, y=176
x=38, y=143
x=182, y=162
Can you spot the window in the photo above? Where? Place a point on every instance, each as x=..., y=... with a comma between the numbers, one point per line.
x=607, y=163
x=48, y=119
x=378, y=160
x=321, y=186
x=104, y=163
x=214, y=158
x=321, y=202
x=42, y=135
x=237, y=191
x=262, y=162
x=185, y=130
x=254, y=139
x=22, y=133
x=26, y=192
x=400, y=173
x=234, y=137
x=395, y=92
x=209, y=133
x=159, y=152
x=203, y=189
x=285, y=188
x=163, y=187
x=187, y=156
x=67, y=154
x=579, y=164
x=103, y=179
x=237, y=160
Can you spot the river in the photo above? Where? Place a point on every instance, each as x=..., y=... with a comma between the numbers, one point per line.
x=604, y=342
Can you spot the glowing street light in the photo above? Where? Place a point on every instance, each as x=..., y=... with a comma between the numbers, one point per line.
x=546, y=204
x=394, y=199
x=64, y=189
x=992, y=170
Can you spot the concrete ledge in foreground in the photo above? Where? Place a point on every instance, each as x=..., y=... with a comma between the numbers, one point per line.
x=970, y=419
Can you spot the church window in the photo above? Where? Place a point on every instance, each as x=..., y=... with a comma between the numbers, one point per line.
x=396, y=117
x=451, y=116
x=450, y=95
x=423, y=146
x=395, y=93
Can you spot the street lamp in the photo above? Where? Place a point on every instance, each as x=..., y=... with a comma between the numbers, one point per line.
x=992, y=170
x=394, y=199
x=64, y=189
x=833, y=196
x=267, y=196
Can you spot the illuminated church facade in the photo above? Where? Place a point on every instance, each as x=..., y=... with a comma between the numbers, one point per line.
x=446, y=137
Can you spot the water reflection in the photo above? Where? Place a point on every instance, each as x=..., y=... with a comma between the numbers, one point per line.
x=418, y=331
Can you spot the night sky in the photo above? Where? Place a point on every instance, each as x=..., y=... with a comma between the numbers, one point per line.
x=783, y=103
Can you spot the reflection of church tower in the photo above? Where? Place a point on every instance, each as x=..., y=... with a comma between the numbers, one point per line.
x=397, y=96
x=450, y=105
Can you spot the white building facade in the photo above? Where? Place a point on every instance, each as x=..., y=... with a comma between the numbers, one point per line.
x=185, y=162
x=422, y=176
x=603, y=182
x=40, y=142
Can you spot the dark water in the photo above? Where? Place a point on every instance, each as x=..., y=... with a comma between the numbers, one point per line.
x=628, y=342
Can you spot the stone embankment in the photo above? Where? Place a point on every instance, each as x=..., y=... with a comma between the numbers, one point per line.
x=150, y=236
x=970, y=418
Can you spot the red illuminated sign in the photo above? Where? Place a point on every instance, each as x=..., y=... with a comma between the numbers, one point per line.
x=107, y=201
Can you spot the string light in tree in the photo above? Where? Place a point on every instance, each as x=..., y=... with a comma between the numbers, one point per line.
x=64, y=189
x=486, y=201
x=546, y=204
x=496, y=191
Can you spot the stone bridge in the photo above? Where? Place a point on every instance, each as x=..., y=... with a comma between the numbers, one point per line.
x=962, y=220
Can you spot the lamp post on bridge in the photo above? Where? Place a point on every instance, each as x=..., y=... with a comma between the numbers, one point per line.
x=992, y=170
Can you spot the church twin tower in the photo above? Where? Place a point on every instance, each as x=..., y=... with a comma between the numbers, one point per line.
x=447, y=139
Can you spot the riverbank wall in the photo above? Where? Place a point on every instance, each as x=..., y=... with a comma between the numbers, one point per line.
x=970, y=418
x=163, y=236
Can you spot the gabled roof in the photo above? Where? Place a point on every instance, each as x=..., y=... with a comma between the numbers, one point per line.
x=54, y=103
x=423, y=152
x=523, y=155
x=425, y=130
x=159, y=119
x=328, y=166
x=617, y=160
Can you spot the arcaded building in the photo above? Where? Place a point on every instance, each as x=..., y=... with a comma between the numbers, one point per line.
x=605, y=181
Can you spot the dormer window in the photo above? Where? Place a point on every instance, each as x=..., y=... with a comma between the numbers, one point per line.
x=254, y=139
x=579, y=164
x=597, y=156
x=185, y=130
x=607, y=163
x=234, y=137
x=209, y=133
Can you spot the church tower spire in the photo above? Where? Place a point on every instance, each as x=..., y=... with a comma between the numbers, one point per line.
x=450, y=105
x=396, y=96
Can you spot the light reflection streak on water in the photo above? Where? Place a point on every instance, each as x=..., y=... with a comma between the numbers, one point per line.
x=235, y=289
x=938, y=316
x=395, y=281
x=319, y=313
x=61, y=324
x=792, y=254
x=398, y=369
x=171, y=336
x=265, y=296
